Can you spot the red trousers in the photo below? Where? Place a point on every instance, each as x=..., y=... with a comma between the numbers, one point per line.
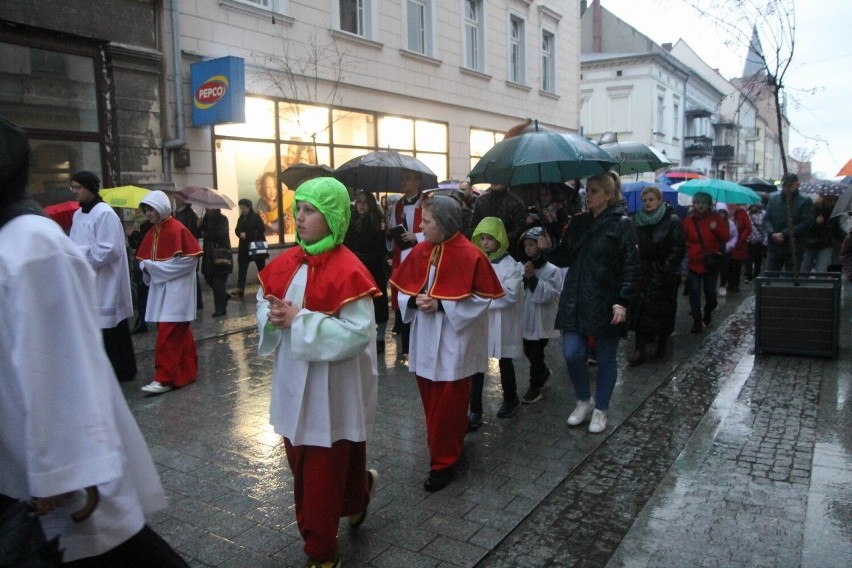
x=175, y=354
x=445, y=404
x=328, y=483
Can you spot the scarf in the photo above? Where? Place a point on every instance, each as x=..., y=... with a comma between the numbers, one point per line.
x=643, y=219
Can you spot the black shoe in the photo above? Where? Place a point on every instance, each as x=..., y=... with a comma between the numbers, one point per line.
x=438, y=479
x=697, y=327
x=708, y=317
x=219, y=314
x=532, y=396
x=509, y=408
x=474, y=421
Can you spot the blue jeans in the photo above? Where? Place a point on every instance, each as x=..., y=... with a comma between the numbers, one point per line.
x=816, y=259
x=697, y=281
x=574, y=351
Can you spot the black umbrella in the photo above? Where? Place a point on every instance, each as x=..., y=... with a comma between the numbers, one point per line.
x=821, y=188
x=382, y=171
x=758, y=184
x=297, y=174
x=844, y=203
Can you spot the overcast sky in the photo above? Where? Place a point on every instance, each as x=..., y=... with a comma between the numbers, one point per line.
x=821, y=60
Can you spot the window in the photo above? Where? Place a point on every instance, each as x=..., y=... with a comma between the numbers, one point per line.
x=548, y=63
x=356, y=17
x=277, y=6
x=661, y=119
x=419, y=24
x=474, y=40
x=517, y=50
x=480, y=142
x=676, y=120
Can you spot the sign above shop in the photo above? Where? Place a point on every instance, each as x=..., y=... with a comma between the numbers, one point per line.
x=218, y=91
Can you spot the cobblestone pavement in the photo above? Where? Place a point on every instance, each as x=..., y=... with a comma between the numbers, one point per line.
x=711, y=457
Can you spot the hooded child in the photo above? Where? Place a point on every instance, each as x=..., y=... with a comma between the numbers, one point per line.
x=315, y=311
x=504, y=319
x=168, y=257
x=445, y=287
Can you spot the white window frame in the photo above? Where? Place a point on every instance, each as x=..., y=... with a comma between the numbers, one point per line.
x=474, y=48
x=366, y=26
x=517, y=63
x=422, y=41
x=260, y=7
x=676, y=120
x=548, y=61
x=661, y=113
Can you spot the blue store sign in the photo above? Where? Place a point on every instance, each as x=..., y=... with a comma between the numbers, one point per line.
x=218, y=91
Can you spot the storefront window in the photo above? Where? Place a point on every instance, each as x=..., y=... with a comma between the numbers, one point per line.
x=303, y=123
x=396, y=133
x=260, y=121
x=354, y=128
x=480, y=142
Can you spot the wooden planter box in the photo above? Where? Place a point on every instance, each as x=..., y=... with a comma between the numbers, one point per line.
x=798, y=316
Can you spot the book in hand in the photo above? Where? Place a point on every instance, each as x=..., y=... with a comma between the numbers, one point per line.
x=397, y=233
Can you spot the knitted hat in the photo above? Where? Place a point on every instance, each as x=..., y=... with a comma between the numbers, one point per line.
x=245, y=202
x=88, y=180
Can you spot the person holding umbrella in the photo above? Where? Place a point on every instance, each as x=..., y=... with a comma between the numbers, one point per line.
x=706, y=234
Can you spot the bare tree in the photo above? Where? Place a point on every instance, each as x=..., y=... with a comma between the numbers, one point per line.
x=767, y=28
x=305, y=73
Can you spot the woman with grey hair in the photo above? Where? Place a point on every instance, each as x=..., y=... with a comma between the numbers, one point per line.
x=445, y=286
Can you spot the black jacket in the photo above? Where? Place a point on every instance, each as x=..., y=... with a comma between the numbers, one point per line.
x=603, y=270
x=252, y=225
x=214, y=230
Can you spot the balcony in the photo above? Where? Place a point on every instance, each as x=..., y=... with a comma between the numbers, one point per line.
x=697, y=145
x=723, y=153
x=751, y=133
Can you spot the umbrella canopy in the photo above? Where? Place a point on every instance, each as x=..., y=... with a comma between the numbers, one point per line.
x=541, y=157
x=842, y=207
x=206, y=197
x=846, y=170
x=62, y=213
x=635, y=157
x=127, y=196
x=297, y=174
x=678, y=174
x=382, y=171
x=632, y=192
x=821, y=188
x=720, y=190
x=758, y=184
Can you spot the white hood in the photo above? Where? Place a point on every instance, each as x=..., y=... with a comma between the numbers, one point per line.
x=158, y=201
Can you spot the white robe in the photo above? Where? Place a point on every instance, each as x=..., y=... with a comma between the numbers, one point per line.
x=504, y=314
x=171, y=292
x=447, y=345
x=325, y=380
x=540, y=305
x=64, y=423
x=100, y=236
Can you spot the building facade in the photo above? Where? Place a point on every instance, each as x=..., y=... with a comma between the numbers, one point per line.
x=104, y=85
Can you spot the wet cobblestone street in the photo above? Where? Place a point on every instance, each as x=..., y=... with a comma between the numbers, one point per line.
x=711, y=457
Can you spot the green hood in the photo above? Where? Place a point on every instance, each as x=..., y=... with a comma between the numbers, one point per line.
x=494, y=227
x=331, y=198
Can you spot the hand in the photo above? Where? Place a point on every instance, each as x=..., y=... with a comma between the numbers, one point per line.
x=619, y=314
x=777, y=238
x=264, y=216
x=281, y=312
x=409, y=237
x=242, y=235
x=426, y=304
x=712, y=225
x=45, y=505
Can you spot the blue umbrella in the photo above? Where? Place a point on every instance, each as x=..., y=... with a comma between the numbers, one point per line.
x=632, y=192
x=720, y=190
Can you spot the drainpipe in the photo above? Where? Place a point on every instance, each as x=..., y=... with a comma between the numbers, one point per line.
x=180, y=141
x=596, y=27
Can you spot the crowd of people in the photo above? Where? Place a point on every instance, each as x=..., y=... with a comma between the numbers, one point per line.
x=469, y=278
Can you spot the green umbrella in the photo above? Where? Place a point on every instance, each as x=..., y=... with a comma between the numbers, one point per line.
x=720, y=191
x=541, y=157
x=635, y=157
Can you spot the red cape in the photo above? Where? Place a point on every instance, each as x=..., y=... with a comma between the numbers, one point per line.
x=335, y=278
x=167, y=240
x=461, y=270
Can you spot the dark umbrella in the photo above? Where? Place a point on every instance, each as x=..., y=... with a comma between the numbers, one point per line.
x=844, y=203
x=541, y=157
x=297, y=174
x=758, y=184
x=382, y=171
x=206, y=197
x=821, y=188
x=635, y=157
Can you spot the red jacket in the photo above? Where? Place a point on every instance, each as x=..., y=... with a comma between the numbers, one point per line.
x=714, y=239
x=743, y=223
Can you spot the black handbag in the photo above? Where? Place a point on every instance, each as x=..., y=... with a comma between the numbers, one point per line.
x=222, y=257
x=22, y=540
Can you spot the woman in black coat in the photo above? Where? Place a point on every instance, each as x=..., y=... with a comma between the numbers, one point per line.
x=662, y=245
x=366, y=238
x=250, y=228
x=599, y=248
x=216, y=235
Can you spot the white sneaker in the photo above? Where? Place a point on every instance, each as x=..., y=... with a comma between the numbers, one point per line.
x=598, y=423
x=581, y=412
x=156, y=387
x=722, y=292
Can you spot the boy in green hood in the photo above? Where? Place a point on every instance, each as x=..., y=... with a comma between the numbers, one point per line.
x=504, y=320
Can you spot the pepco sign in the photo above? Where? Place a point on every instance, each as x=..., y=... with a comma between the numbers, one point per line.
x=219, y=91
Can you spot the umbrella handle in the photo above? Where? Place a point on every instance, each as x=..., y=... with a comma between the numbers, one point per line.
x=93, y=497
